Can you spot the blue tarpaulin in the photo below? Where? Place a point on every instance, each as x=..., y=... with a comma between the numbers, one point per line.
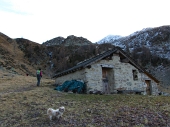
x=73, y=85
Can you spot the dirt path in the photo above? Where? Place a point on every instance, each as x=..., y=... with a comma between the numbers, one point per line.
x=17, y=83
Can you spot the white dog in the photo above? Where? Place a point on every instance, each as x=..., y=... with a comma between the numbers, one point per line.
x=55, y=113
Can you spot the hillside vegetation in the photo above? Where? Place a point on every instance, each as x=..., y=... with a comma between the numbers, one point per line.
x=23, y=56
x=12, y=58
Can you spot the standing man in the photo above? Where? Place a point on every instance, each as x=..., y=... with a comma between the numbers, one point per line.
x=39, y=76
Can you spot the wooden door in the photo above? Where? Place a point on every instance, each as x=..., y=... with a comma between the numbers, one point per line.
x=148, y=87
x=105, y=80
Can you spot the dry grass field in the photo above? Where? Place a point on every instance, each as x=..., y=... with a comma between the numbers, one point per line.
x=23, y=104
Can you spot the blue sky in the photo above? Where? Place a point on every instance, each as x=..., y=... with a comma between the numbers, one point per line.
x=42, y=20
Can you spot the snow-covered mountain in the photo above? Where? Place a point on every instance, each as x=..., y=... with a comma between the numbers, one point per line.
x=151, y=45
x=109, y=38
x=157, y=40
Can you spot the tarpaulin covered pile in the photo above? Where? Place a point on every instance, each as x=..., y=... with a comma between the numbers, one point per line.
x=73, y=85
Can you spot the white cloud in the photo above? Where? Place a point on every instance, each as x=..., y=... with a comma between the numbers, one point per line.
x=41, y=20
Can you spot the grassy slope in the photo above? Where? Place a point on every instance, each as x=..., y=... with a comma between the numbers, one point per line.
x=12, y=56
x=24, y=104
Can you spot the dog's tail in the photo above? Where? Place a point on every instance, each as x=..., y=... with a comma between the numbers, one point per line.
x=49, y=111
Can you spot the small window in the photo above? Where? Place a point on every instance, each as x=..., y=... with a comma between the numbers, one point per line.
x=135, y=74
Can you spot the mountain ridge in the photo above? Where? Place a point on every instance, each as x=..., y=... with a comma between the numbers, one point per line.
x=70, y=40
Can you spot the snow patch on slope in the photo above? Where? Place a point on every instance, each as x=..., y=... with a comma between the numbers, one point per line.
x=109, y=38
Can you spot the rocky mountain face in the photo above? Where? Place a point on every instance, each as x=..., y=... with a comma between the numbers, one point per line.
x=149, y=47
x=54, y=41
x=157, y=40
x=70, y=40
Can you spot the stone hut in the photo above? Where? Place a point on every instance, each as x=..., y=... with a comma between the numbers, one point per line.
x=112, y=71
